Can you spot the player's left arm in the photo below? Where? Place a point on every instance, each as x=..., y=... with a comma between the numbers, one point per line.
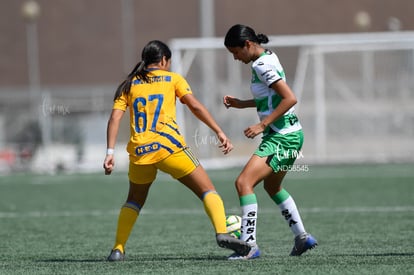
x=288, y=100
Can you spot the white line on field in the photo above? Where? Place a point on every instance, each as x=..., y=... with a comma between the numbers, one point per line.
x=181, y=211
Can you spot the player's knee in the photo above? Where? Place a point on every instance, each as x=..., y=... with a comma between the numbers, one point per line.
x=243, y=185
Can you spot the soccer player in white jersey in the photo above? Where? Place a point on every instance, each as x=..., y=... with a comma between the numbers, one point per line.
x=281, y=142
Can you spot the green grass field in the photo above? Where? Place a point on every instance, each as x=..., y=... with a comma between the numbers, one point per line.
x=362, y=216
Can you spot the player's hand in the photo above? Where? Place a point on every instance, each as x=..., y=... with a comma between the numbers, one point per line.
x=226, y=145
x=230, y=101
x=109, y=164
x=254, y=130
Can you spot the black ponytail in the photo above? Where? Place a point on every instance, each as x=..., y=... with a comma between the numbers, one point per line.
x=139, y=71
x=152, y=53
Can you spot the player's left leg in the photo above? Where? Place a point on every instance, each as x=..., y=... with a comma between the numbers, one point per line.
x=289, y=210
x=201, y=185
x=185, y=167
x=287, y=148
x=287, y=206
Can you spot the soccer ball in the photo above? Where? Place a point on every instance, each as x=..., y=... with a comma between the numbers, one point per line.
x=233, y=224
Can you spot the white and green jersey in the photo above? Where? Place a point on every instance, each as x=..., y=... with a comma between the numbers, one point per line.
x=265, y=71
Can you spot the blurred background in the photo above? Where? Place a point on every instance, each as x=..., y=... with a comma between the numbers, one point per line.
x=351, y=64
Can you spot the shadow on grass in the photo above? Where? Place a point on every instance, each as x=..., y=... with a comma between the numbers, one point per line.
x=71, y=260
x=145, y=258
x=391, y=254
x=149, y=258
x=203, y=258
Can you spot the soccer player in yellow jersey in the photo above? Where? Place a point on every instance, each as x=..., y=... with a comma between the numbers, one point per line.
x=150, y=93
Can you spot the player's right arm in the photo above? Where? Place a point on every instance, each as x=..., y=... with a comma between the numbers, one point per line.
x=111, y=135
x=230, y=101
x=201, y=112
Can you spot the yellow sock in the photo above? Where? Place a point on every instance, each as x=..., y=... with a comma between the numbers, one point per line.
x=126, y=220
x=214, y=207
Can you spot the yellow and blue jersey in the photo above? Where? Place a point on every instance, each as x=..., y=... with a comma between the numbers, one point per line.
x=154, y=131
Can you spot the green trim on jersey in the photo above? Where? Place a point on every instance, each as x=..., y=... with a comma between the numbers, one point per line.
x=286, y=120
x=255, y=78
x=276, y=99
x=281, y=74
x=262, y=104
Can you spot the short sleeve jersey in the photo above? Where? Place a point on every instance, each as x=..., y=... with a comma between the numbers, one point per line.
x=267, y=70
x=154, y=131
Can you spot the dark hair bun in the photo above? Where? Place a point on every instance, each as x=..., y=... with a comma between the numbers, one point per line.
x=263, y=39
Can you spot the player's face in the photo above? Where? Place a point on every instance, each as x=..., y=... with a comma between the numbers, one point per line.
x=240, y=53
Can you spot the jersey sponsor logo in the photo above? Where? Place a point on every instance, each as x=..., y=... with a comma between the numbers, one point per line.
x=147, y=148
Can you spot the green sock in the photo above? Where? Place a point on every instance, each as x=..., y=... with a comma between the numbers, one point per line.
x=289, y=211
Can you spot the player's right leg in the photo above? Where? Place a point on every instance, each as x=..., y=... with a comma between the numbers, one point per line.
x=254, y=171
x=138, y=192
